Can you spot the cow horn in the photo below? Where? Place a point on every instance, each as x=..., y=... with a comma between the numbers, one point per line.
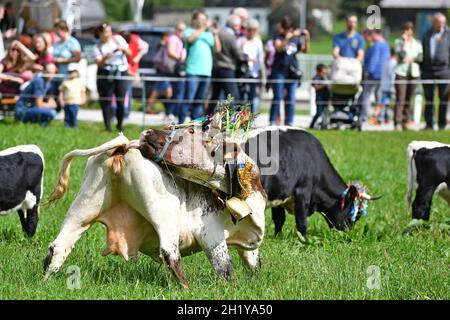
x=370, y=198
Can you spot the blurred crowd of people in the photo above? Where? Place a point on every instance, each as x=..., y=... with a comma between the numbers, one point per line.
x=201, y=64
x=206, y=58
x=394, y=71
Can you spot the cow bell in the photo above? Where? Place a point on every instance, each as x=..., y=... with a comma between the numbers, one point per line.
x=238, y=208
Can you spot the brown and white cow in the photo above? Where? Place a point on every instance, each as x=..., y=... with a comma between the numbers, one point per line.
x=145, y=209
x=212, y=161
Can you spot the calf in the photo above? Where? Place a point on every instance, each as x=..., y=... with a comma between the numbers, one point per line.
x=429, y=174
x=21, y=184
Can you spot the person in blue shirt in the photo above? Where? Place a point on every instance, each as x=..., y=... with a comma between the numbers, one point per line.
x=349, y=44
x=34, y=104
x=376, y=56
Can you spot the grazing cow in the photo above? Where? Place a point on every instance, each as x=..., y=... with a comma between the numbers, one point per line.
x=147, y=210
x=305, y=181
x=428, y=174
x=21, y=184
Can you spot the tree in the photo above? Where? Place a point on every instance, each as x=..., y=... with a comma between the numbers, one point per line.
x=357, y=7
x=117, y=10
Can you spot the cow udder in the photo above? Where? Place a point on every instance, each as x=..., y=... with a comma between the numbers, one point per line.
x=127, y=233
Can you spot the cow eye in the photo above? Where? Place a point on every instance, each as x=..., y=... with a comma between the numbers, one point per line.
x=213, y=154
x=191, y=131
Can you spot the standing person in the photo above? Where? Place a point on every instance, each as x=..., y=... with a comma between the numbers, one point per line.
x=349, y=44
x=269, y=57
x=376, y=56
x=72, y=94
x=322, y=92
x=2, y=45
x=161, y=88
x=66, y=50
x=8, y=23
x=177, y=51
x=111, y=55
x=254, y=50
x=241, y=34
x=409, y=55
x=436, y=65
x=287, y=45
x=139, y=49
x=225, y=62
x=381, y=113
x=200, y=41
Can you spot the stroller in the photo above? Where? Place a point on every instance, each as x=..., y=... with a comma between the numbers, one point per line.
x=346, y=77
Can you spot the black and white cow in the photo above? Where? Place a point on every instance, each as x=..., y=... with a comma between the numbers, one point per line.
x=21, y=184
x=428, y=174
x=305, y=181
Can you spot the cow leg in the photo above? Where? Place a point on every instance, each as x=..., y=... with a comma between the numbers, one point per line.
x=163, y=220
x=301, y=212
x=173, y=261
x=422, y=202
x=278, y=217
x=251, y=259
x=29, y=220
x=212, y=240
x=82, y=214
x=220, y=259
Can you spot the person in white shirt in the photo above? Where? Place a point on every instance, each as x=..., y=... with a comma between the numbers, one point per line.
x=254, y=50
x=111, y=55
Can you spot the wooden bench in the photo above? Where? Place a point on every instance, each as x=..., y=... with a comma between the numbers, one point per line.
x=7, y=106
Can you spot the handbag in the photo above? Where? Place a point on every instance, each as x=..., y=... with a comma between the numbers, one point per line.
x=162, y=62
x=294, y=72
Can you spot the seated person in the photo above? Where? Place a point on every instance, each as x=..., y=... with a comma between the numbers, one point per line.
x=34, y=104
x=12, y=69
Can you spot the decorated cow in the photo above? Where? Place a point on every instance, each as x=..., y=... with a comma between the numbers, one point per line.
x=147, y=209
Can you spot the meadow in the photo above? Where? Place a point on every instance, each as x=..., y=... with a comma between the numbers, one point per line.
x=333, y=265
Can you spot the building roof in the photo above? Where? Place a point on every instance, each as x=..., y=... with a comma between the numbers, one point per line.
x=415, y=4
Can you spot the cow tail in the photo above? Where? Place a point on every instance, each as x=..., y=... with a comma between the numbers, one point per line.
x=411, y=174
x=63, y=181
x=64, y=174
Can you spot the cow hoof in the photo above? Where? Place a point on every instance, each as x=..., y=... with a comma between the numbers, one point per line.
x=414, y=225
x=48, y=261
x=176, y=268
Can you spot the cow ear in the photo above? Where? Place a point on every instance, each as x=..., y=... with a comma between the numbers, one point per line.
x=351, y=195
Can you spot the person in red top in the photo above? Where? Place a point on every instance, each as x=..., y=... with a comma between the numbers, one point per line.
x=43, y=56
x=139, y=49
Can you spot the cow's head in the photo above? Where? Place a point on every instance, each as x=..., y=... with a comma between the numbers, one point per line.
x=189, y=147
x=351, y=206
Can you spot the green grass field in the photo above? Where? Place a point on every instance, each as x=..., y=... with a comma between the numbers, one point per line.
x=333, y=266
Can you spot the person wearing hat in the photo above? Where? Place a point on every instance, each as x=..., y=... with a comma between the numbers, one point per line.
x=72, y=94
